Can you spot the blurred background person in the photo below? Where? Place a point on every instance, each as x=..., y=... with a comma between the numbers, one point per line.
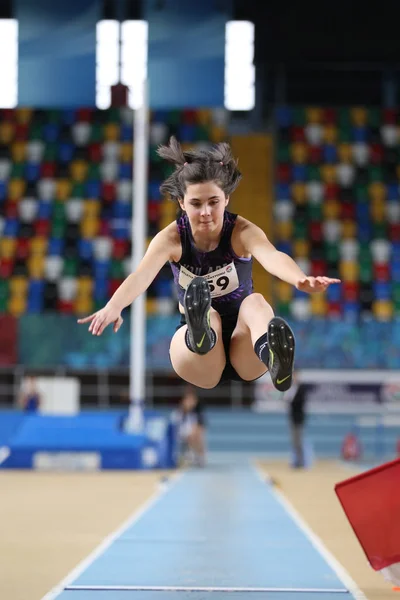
x=296, y=402
x=29, y=398
x=191, y=425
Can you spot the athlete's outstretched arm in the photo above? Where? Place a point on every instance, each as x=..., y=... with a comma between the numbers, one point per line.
x=278, y=263
x=157, y=254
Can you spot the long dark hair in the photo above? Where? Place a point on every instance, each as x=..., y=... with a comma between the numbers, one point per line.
x=199, y=166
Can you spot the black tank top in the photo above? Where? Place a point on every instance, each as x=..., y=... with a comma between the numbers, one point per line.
x=229, y=276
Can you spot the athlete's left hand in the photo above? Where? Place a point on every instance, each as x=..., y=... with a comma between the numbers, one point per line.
x=313, y=285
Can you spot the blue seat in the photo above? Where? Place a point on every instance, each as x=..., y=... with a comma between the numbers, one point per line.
x=35, y=299
x=329, y=153
x=55, y=247
x=11, y=228
x=154, y=190
x=121, y=210
x=299, y=172
x=68, y=116
x=362, y=212
x=32, y=171
x=283, y=116
x=3, y=190
x=187, y=133
x=125, y=170
x=333, y=293
x=93, y=188
x=44, y=209
x=85, y=248
x=163, y=288
x=100, y=291
x=360, y=134
x=50, y=132
x=284, y=246
x=126, y=134
x=382, y=290
x=101, y=269
x=364, y=231
x=66, y=152
x=282, y=191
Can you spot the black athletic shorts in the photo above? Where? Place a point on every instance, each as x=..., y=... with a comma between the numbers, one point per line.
x=228, y=326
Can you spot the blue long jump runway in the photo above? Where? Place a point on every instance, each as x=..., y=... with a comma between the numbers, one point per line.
x=220, y=533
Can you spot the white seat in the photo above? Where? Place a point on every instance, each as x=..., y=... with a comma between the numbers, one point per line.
x=102, y=248
x=314, y=134
x=27, y=209
x=67, y=288
x=126, y=115
x=304, y=264
x=300, y=308
x=349, y=250
x=380, y=250
x=35, y=151
x=284, y=210
x=158, y=133
x=46, y=189
x=74, y=210
x=124, y=190
x=220, y=117
x=390, y=135
x=331, y=229
x=81, y=133
x=111, y=151
x=165, y=306
x=53, y=267
x=393, y=211
x=5, y=169
x=360, y=152
x=345, y=174
x=109, y=170
x=315, y=191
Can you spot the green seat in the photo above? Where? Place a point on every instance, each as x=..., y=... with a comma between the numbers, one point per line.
x=396, y=294
x=50, y=152
x=379, y=230
x=113, y=115
x=314, y=211
x=374, y=118
x=78, y=190
x=4, y=289
x=364, y=255
x=17, y=171
x=332, y=253
x=174, y=117
x=344, y=118
x=361, y=192
x=96, y=134
x=313, y=173
x=375, y=174
x=58, y=229
x=58, y=213
x=70, y=267
x=117, y=269
x=35, y=132
x=366, y=272
x=283, y=153
x=153, y=156
x=53, y=116
x=299, y=117
x=93, y=171
x=202, y=133
x=283, y=308
x=300, y=230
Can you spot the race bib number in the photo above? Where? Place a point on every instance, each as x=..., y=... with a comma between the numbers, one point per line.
x=221, y=282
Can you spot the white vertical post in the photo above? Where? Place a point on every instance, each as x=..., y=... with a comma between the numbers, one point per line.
x=137, y=375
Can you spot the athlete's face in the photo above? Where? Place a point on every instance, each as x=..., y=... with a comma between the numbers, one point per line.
x=204, y=204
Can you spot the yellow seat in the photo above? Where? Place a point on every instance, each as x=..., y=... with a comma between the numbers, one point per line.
x=284, y=230
x=299, y=152
x=17, y=305
x=217, y=133
x=377, y=191
x=7, y=247
x=383, y=310
x=63, y=189
x=18, y=285
x=331, y=209
x=84, y=286
x=78, y=170
x=299, y=192
x=89, y=228
x=359, y=116
x=83, y=305
x=151, y=306
x=111, y=132
x=16, y=189
x=330, y=134
x=6, y=132
x=126, y=152
x=36, y=265
x=349, y=270
x=314, y=114
x=285, y=291
x=301, y=248
x=349, y=229
x=318, y=304
x=18, y=150
x=39, y=245
x=345, y=152
x=23, y=114
x=203, y=116
x=328, y=173
x=91, y=209
x=378, y=211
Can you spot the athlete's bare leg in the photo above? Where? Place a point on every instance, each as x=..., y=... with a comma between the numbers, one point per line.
x=201, y=370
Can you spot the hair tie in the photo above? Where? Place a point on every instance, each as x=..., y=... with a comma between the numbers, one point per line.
x=184, y=164
x=221, y=163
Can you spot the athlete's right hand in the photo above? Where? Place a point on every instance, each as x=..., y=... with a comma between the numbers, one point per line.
x=102, y=318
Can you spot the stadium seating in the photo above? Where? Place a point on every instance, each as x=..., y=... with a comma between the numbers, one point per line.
x=337, y=209
x=66, y=203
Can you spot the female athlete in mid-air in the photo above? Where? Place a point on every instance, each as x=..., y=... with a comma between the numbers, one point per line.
x=226, y=331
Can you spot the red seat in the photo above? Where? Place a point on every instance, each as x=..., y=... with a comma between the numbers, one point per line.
x=381, y=271
x=376, y=154
x=283, y=173
x=315, y=231
x=65, y=306
x=331, y=191
x=394, y=232
x=23, y=248
x=329, y=116
x=6, y=267
x=84, y=114
x=95, y=152
x=113, y=285
x=334, y=309
x=42, y=227
x=348, y=210
x=315, y=155
x=120, y=249
x=297, y=134
x=351, y=290
x=21, y=131
x=105, y=228
x=11, y=210
x=48, y=169
x=318, y=267
x=108, y=191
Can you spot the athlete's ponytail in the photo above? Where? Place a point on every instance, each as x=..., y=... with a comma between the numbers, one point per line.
x=199, y=166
